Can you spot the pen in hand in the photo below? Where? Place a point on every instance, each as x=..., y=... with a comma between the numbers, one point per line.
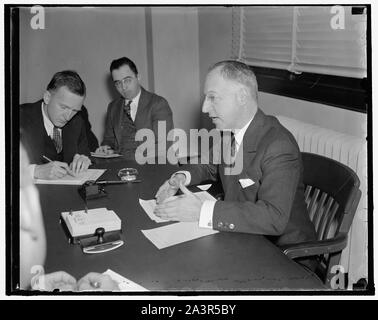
x=67, y=169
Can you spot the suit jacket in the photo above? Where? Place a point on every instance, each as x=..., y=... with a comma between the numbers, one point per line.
x=36, y=141
x=151, y=109
x=91, y=137
x=274, y=205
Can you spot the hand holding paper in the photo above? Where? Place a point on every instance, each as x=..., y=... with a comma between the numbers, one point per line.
x=185, y=208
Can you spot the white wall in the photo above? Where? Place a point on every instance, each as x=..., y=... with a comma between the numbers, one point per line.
x=88, y=39
x=85, y=40
x=185, y=42
x=176, y=62
x=346, y=121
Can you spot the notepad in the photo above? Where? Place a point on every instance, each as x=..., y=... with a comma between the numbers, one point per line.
x=124, y=284
x=176, y=233
x=90, y=174
x=102, y=155
x=149, y=205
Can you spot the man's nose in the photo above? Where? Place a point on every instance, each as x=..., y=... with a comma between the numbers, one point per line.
x=124, y=85
x=205, y=107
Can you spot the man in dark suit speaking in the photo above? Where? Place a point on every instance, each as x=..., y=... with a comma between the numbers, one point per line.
x=52, y=132
x=267, y=195
x=135, y=109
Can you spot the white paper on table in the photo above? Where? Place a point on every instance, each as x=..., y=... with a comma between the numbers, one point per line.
x=90, y=174
x=204, y=187
x=176, y=233
x=106, y=156
x=124, y=283
x=149, y=205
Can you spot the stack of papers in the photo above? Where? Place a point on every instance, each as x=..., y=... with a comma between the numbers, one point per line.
x=81, y=178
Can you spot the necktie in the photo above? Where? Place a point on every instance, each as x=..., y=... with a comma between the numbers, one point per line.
x=233, y=148
x=57, y=138
x=128, y=110
x=229, y=147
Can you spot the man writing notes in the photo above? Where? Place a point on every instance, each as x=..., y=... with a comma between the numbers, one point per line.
x=267, y=195
x=53, y=135
x=135, y=109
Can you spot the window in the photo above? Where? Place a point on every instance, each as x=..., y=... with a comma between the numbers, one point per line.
x=316, y=53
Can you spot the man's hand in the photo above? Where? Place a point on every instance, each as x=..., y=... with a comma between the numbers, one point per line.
x=80, y=163
x=105, y=150
x=170, y=187
x=51, y=170
x=97, y=282
x=60, y=280
x=186, y=207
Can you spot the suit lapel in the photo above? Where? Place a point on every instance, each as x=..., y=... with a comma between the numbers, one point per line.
x=251, y=141
x=144, y=101
x=119, y=116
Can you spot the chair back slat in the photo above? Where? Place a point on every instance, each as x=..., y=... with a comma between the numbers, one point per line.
x=307, y=194
x=311, y=206
x=332, y=225
x=318, y=216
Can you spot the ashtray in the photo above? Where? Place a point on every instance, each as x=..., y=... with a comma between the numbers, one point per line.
x=128, y=174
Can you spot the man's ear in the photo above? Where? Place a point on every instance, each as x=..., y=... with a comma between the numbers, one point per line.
x=46, y=97
x=242, y=95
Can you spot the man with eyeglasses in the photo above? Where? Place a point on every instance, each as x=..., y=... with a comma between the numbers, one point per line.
x=52, y=132
x=135, y=109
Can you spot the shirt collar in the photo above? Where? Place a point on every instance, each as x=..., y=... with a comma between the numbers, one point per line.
x=239, y=134
x=135, y=100
x=49, y=126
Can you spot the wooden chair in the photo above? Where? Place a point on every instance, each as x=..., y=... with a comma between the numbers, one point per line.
x=332, y=195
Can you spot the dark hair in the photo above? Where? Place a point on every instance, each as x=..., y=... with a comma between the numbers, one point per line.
x=69, y=79
x=239, y=72
x=117, y=63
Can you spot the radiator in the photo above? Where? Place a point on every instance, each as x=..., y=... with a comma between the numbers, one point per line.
x=351, y=151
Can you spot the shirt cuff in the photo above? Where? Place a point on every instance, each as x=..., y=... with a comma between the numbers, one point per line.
x=188, y=176
x=206, y=214
x=31, y=169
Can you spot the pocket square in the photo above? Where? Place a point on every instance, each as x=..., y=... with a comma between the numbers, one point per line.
x=246, y=182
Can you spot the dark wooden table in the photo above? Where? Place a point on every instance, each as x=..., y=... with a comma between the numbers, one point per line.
x=223, y=261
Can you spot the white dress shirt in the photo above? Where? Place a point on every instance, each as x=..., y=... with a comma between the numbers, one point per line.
x=134, y=105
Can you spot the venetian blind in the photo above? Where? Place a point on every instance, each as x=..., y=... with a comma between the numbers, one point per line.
x=324, y=39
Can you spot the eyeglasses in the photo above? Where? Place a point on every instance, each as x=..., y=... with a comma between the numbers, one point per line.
x=122, y=82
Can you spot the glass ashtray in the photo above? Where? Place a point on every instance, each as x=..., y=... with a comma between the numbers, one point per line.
x=128, y=174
